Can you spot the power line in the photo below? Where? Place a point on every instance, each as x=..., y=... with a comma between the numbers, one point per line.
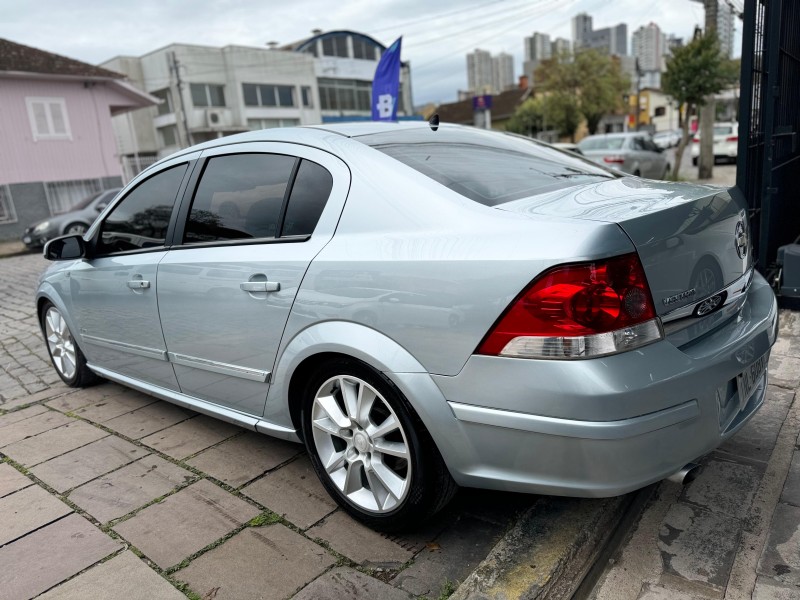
x=431, y=18
x=473, y=44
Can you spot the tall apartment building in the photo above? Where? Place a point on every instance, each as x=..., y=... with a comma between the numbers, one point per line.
x=487, y=74
x=538, y=47
x=649, y=45
x=613, y=40
x=479, y=71
x=725, y=22
x=560, y=46
x=503, y=72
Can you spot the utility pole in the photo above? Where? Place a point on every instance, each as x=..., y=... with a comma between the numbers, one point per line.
x=709, y=109
x=175, y=68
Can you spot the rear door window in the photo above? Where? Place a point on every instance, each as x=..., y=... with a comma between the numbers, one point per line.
x=240, y=197
x=310, y=192
x=257, y=196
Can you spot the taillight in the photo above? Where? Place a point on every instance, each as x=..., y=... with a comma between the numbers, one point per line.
x=614, y=160
x=696, y=140
x=732, y=138
x=580, y=310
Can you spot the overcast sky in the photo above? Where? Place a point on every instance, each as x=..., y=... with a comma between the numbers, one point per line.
x=436, y=36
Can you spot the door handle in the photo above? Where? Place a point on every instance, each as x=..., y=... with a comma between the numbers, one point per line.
x=260, y=286
x=138, y=284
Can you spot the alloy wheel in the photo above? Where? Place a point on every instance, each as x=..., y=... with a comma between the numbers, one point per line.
x=60, y=343
x=361, y=444
x=76, y=228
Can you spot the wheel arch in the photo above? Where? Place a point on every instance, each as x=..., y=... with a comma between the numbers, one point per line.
x=322, y=342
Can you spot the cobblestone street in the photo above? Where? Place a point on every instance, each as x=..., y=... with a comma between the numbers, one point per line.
x=143, y=499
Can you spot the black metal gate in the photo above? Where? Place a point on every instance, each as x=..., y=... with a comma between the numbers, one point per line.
x=768, y=169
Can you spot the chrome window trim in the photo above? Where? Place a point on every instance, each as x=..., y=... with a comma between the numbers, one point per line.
x=735, y=291
x=218, y=367
x=130, y=348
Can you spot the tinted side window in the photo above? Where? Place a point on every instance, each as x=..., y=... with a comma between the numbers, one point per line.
x=309, y=194
x=239, y=197
x=142, y=218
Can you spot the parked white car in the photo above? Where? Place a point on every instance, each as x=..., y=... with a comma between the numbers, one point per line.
x=726, y=143
x=667, y=139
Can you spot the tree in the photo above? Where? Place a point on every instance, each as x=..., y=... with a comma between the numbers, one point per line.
x=589, y=82
x=528, y=119
x=694, y=72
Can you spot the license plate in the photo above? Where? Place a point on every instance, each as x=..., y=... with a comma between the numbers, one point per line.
x=26, y=239
x=747, y=380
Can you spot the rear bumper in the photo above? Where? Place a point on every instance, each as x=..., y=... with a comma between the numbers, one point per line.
x=606, y=426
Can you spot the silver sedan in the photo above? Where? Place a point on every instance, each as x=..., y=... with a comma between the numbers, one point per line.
x=424, y=307
x=633, y=153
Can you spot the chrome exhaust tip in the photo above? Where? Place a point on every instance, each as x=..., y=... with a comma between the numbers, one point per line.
x=685, y=475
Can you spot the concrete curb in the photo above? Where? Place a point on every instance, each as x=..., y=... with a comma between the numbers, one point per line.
x=549, y=550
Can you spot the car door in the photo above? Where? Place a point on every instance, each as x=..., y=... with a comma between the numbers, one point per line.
x=658, y=161
x=641, y=156
x=257, y=218
x=114, y=292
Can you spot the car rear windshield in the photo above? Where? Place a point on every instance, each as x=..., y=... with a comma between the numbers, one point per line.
x=723, y=130
x=602, y=143
x=489, y=168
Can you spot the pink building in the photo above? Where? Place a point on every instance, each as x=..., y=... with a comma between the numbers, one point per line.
x=57, y=144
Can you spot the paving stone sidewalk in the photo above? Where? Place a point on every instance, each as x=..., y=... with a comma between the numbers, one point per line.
x=105, y=489
x=734, y=532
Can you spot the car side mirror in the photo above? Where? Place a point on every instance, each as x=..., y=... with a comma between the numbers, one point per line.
x=68, y=247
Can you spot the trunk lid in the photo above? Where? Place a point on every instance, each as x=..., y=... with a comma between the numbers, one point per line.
x=686, y=235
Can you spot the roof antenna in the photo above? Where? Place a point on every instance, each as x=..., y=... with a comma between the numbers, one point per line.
x=434, y=122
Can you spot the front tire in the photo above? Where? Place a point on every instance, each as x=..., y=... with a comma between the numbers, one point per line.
x=76, y=228
x=66, y=356
x=370, y=450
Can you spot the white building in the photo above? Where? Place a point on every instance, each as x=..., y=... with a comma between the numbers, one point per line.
x=210, y=92
x=649, y=46
x=480, y=71
x=560, y=46
x=613, y=40
x=503, y=72
x=221, y=91
x=344, y=65
x=725, y=23
x=538, y=47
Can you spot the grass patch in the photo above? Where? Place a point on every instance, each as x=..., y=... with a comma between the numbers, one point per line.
x=265, y=518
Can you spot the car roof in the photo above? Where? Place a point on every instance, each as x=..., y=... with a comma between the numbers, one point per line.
x=312, y=135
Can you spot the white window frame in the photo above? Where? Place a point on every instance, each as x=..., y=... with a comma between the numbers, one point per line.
x=7, y=202
x=30, y=101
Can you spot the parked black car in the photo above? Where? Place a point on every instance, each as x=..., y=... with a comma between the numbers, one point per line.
x=77, y=220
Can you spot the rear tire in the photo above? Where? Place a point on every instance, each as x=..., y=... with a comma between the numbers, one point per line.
x=370, y=450
x=694, y=161
x=67, y=358
x=637, y=173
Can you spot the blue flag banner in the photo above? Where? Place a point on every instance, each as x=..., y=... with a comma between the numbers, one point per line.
x=386, y=84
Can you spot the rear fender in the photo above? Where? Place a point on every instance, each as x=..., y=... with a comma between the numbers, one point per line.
x=381, y=353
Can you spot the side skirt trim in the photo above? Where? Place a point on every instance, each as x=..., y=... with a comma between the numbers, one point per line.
x=201, y=406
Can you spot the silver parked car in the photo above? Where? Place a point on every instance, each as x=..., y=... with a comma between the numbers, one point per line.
x=424, y=309
x=632, y=153
x=77, y=220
